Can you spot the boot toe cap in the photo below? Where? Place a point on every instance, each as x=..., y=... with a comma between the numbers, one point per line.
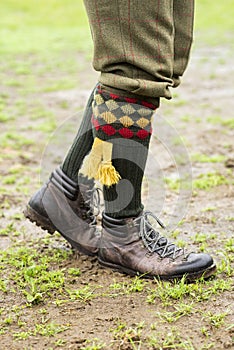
x=195, y=262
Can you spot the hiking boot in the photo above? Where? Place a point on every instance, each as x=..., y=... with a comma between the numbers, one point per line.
x=64, y=206
x=133, y=246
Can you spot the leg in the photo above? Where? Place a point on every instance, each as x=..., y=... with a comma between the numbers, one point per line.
x=134, y=50
x=133, y=45
x=62, y=204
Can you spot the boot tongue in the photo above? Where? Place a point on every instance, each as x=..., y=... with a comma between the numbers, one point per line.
x=161, y=243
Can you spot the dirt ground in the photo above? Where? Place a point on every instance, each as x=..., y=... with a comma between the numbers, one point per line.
x=82, y=305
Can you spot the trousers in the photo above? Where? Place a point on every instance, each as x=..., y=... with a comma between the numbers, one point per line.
x=141, y=47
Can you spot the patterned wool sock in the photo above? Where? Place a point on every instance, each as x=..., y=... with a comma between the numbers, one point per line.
x=122, y=131
x=81, y=145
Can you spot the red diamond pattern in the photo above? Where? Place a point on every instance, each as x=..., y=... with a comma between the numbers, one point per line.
x=109, y=130
x=126, y=133
x=142, y=134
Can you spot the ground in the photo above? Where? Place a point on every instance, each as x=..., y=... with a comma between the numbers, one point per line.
x=52, y=297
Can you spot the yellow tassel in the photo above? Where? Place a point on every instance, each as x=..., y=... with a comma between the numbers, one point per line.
x=89, y=167
x=107, y=174
x=98, y=165
x=92, y=160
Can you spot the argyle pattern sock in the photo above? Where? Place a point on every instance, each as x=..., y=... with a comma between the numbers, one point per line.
x=81, y=145
x=122, y=131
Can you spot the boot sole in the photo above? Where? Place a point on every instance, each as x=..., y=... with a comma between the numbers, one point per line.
x=39, y=220
x=47, y=225
x=190, y=277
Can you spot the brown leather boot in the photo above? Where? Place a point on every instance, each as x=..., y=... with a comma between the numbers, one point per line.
x=64, y=206
x=133, y=246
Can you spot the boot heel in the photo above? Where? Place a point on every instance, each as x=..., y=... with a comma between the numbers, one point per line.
x=39, y=220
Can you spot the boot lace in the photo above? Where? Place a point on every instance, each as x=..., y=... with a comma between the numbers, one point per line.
x=92, y=204
x=152, y=239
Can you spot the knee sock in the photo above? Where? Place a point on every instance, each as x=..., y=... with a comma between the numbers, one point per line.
x=82, y=144
x=122, y=131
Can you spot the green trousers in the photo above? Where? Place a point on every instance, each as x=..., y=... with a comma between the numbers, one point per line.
x=141, y=47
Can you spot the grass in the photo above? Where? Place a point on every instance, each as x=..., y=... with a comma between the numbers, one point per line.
x=179, y=311
x=201, y=182
x=45, y=330
x=172, y=340
x=84, y=294
x=127, y=334
x=203, y=158
x=31, y=274
x=209, y=180
x=218, y=120
x=14, y=140
x=216, y=320
x=214, y=22
x=93, y=345
x=181, y=291
x=53, y=27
